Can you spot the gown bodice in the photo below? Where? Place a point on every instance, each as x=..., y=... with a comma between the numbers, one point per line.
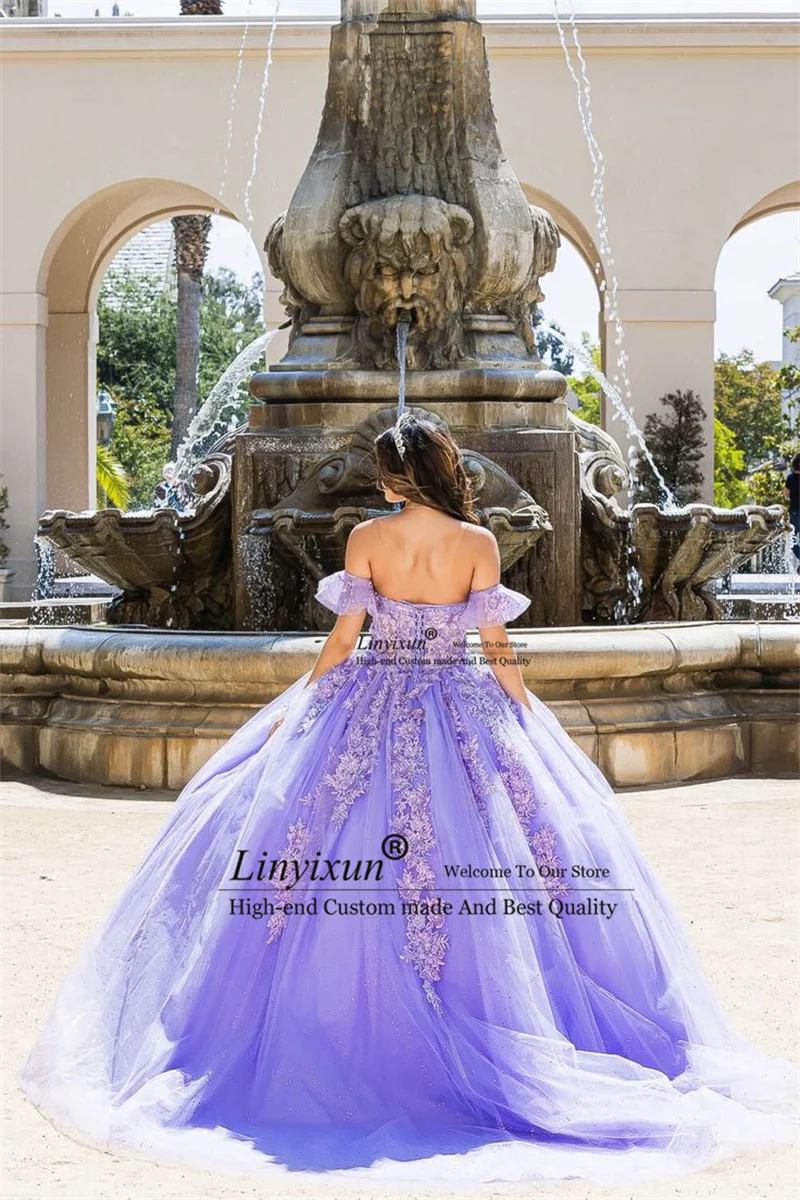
x=405, y=633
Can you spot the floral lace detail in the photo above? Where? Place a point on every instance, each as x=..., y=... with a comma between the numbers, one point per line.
x=325, y=689
x=484, y=696
x=346, y=593
x=426, y=937
x=494, y=606
x=469, y=746
x=349, y=770
x=295, y=847
x=493, y=710
x=543, y=845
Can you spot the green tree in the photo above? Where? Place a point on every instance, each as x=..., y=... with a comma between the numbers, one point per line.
x=112, y=481
x=730, y=490
x=136, y=361
x=551, y=349
x=586, y=388
x=231, y=317
x=676, y=441
x=747, y=399
x=136, y=351
x=766, y=484
x=191, y=251
x=789, y=374
x=141, y=444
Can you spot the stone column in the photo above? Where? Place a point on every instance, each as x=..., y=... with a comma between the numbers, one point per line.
x=418, y=9
x=669, y=339
x=23, y=324
x=71, y=417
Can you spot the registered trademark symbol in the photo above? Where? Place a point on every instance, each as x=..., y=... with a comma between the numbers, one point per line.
x=430, y=634
x=394, y=846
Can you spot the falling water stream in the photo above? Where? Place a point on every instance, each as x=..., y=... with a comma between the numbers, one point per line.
x=262, y=104
x=622, y=407
x=403, y=327
x=222, y=411
x=623, y=412
x=232, y=105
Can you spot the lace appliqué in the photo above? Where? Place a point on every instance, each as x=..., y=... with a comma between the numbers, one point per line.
x=346, y=593
x=474, y=765
x=349, y=770
x=494, y=606
x=543, y=845
x=325, y=690
x=426, y=937
x=296, y=843
x=481, y=695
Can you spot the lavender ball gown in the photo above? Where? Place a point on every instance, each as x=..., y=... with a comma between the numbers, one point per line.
x=416, y=1042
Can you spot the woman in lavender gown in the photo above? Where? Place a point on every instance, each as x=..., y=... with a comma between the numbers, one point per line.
x=512, y=998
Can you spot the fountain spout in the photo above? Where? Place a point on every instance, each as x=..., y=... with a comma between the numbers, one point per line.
x=424, y=214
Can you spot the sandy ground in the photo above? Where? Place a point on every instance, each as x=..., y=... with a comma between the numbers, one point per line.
x=727, y=853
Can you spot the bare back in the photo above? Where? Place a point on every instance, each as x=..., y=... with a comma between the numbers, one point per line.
x=424, y=556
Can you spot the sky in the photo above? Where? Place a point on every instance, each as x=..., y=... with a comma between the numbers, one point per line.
x=487, y=8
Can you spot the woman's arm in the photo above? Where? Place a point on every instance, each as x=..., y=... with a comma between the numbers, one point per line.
x=494, y=639
x=342, y=639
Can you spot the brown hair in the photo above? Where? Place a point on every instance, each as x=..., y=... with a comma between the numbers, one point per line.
x=430, y=471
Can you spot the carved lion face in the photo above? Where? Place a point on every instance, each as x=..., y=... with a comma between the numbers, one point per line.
x=409, y=256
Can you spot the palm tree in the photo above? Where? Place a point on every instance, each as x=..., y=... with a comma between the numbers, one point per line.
x=191, y=250
x=112, y=483
x=201, y=8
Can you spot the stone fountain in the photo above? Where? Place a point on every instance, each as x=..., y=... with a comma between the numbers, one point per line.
x=408, y=212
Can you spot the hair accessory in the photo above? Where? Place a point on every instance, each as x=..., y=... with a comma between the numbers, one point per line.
x=397, y=434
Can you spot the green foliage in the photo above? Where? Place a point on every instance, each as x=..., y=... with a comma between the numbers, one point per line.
x=676, y=441
x=765, y=485
x=730, y=490
x=136, y=361
x=789, y=374
x=586, y=388
x=230, y=317
x=4, y=551
x=112, y=482
x=136, y=351
x=747, y=399
x=141, y=445
x=551, y=350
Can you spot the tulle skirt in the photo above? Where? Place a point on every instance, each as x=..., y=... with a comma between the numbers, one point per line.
x=470, y=1012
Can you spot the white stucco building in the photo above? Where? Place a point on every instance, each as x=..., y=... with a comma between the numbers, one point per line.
x=787, y=292
x=127, y=123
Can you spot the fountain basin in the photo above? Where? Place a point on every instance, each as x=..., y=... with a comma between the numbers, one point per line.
x=476, y=383
x=650, y=704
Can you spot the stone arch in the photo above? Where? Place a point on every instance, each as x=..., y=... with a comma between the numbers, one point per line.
x=783, y=199
x=70, y=276
x=573, y=228
x=576, y=232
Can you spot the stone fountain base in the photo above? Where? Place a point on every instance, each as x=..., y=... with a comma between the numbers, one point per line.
x=649, y=704
x=532, y=441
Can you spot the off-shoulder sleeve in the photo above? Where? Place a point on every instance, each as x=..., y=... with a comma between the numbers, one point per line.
x=345, y=593
x=494, y=606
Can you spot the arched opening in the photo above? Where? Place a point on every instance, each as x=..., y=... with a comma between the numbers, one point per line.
x=71, y=276
x=573, y=294
x=757, y=285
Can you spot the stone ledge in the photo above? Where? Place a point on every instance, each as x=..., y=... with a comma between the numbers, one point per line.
x=142, y=707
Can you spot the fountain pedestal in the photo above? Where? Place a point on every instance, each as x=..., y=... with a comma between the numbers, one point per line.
x=303, y=478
